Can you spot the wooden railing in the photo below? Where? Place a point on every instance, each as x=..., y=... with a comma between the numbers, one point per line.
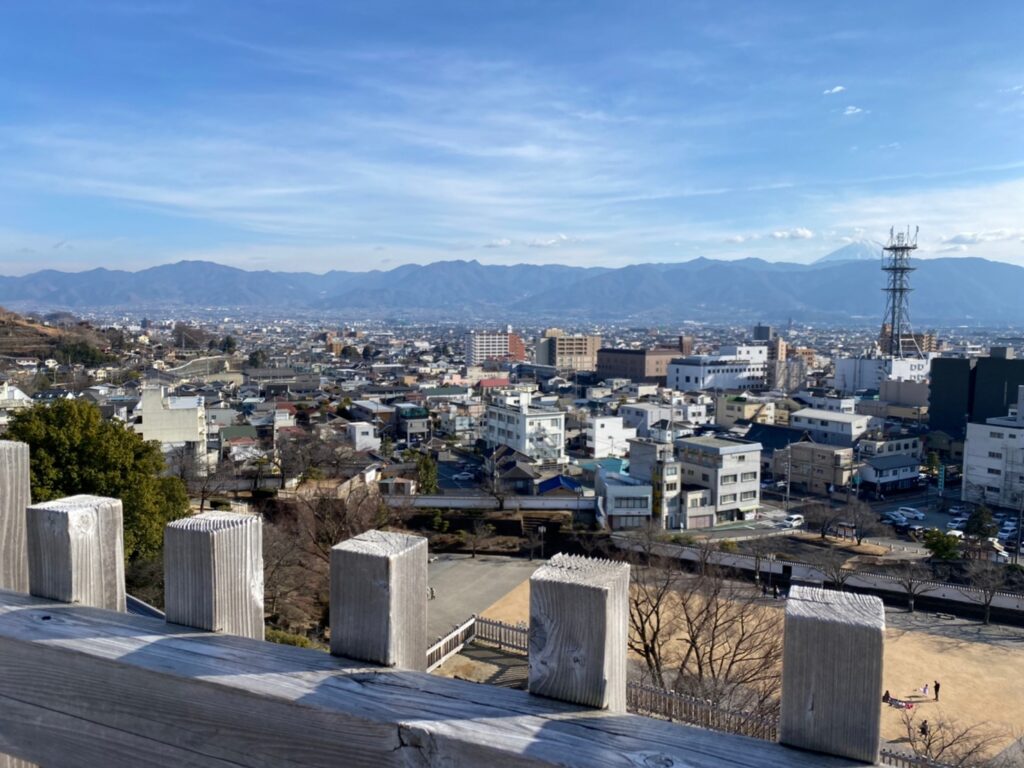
x=451, y=644
x=648, y=700
x=83, y=683
x=510, y=637
x=903, y=760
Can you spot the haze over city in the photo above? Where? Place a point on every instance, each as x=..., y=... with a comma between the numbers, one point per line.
x=324, y=136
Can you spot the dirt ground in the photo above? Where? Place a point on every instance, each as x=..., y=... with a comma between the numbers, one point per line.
x=981, y=669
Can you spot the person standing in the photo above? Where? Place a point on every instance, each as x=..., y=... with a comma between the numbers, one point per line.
x=924, y=690
x=936, y=689
x=924, y=729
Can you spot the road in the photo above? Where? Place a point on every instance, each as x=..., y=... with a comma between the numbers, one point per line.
x=446, y=471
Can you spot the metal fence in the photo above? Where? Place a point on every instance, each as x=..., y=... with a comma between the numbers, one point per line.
x=511, y=637
x=450, y=644
x=648, y=700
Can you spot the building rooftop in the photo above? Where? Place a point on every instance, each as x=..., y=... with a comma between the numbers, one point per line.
x=819, y=413
x=720, y=444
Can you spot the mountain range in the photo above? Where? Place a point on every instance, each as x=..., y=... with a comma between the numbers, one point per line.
x=946, y=290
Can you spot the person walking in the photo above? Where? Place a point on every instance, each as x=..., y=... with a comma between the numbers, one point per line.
x=936, y=689
x=923, y=730
x=924, y=690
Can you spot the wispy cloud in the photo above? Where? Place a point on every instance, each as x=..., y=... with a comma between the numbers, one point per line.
x=834, y=89
x=974, y=238
x=852, y=110
x=797, y=233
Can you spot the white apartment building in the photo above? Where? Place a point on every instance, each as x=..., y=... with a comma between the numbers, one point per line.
x=643, y=416
x=994, y=459
x=828, y=402
x=511, y=419
x=830, y=427
x=739, y=367
x=174, y=422
x=729, y=469
x=859, y=373
x=607, y=436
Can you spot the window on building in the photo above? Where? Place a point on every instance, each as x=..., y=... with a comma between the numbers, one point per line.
x=671, y=471
x=996, y=435
x=993, y=471
x=727, y=498
x=671, y=486
x=728, y=479
x=741, y=457
x=631, y=502
x=992, y=488
x=995, y=455
x=695, y=502
x=748, y=476
x=748, y=495
x=704, y=476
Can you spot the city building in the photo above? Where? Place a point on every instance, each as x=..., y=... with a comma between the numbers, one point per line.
x=747, y=408
x=362, y=436
x=813, y=468
x=729, y=469
x=606, y=436
x=737, y=367
x=971, y=390
x=994, y=459
x=643, y=416
x=623, y=502
x=174, y=422
x=638, y=365
x=512, y=420
x=763, y=332
x=481, y=346
x=890, y=474
x=855, y=374
x=830, y=427
x=567, y=352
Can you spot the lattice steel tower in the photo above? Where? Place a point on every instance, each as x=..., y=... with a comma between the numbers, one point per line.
x=896, y=329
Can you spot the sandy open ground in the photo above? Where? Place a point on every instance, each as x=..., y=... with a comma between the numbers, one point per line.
x=981, y=668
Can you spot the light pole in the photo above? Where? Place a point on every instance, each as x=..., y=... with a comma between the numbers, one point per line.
x=542, y=530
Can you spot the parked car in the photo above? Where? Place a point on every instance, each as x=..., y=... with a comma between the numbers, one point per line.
x=956, y=525
x=957, y=510
x=892, y=518
x=793, y=521
x=463, y=476
x=955, y=533
x=911, y=513
x=901, y=528
x=915, y=531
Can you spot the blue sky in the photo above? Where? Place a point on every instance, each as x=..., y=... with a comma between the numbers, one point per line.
x=329, y=135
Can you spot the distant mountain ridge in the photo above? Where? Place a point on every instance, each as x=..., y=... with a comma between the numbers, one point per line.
x=948, y=290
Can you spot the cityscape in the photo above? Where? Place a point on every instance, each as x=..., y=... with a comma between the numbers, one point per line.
x=490, y=407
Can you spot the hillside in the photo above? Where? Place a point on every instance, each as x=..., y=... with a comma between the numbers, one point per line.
x=21, y=337
x=947, y=290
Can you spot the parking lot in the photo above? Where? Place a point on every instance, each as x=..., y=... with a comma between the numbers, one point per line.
x=460, y=477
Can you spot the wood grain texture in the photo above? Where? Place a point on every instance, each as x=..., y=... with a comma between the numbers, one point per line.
x=579, y=613
x=832, y=673
x=76, y=551
x=213, y=573
x=77, y=673
x=379, y=599
x=15, y=496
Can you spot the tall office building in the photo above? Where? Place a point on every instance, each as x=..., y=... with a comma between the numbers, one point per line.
x=570, y=352
x=480, y=346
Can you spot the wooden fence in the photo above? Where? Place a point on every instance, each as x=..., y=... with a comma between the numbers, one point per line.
x=450, y=644
x=903, y=760
x=658, y=702
x=510, y=637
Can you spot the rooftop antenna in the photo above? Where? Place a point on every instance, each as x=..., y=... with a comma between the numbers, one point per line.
x=896, y=320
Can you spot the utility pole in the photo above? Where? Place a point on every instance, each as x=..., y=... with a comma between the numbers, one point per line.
x=789, y=473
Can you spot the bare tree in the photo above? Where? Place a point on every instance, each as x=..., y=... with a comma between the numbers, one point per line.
x=862, y=516
x=915, y=579
x=652, y=623
x=478, y=531
x=823, y=516
x=730, y=645
x=761, y=548
x=949, y=742
x=987, y=579
x=833, y=566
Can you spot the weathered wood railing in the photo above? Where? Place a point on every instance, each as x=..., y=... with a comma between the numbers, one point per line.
x=451, y=644
x=649, y=700
x=88, y=686
x=506, y=636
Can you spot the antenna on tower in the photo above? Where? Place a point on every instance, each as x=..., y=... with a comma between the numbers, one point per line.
x=896, y=331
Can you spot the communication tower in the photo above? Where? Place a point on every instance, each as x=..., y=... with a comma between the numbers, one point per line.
x=896, y=329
